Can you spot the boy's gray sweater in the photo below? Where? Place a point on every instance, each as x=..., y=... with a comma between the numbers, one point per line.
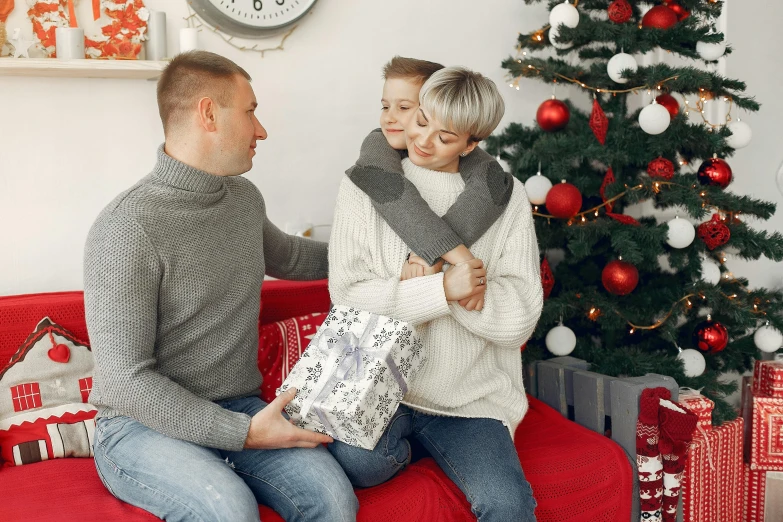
x=172, y=278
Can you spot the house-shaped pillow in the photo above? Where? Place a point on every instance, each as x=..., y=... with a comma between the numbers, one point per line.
x=44, y=389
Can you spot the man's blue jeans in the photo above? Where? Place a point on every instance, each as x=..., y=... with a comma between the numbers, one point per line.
x=178, y=480
x=477, y=454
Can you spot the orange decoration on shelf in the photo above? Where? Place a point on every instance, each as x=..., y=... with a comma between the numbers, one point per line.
x=6, y=6
x=122, y=37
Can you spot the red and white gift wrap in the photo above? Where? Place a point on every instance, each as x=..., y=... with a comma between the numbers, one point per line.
x=768, y=379
x=753, y=495
x=697, y=403
x=713, y=477
x=766, y=444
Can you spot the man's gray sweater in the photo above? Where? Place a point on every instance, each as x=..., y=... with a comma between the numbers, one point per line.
x=172, y=279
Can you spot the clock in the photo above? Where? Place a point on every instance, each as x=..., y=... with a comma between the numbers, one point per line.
x=251, y=18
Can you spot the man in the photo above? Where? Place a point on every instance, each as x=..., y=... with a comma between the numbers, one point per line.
x=173, y=271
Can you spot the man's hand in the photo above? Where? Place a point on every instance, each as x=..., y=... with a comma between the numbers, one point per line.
x=411, y=270
x=428, y=270
x=458, y=255
x=465, y=280
x=270, y=430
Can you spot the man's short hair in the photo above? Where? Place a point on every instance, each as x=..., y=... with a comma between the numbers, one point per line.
x=191, y=76
x=464, y=100
x=410, y=69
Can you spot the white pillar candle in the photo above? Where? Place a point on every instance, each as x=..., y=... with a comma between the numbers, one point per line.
x=188, y=39
x=156, y=36
x=70, y=43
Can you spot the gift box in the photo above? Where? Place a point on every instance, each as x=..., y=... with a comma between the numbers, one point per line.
x=697, y=403
x=766, y=434
x=763, y=495
x=713, y=475
x=353, y=375
x=768, y=379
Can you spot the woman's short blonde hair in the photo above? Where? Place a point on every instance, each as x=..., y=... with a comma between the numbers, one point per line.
x=463, y=100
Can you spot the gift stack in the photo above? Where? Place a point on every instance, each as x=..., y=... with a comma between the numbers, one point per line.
x=712, y=479
x=762, y=408
x=353, y=375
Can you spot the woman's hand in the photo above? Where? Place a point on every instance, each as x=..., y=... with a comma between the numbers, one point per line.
x=465, y=280
x=473, y=303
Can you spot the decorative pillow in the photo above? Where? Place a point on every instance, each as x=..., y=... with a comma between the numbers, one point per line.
x=280, y=345
x=43, y=398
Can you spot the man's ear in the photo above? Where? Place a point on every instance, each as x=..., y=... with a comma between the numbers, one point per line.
x=206, y=114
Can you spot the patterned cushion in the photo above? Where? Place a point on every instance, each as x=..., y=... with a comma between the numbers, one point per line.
x=43, y=398
x=280, y=346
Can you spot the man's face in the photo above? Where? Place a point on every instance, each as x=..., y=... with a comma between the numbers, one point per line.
x=400, y=100
x=434, y=146
x=238, y=130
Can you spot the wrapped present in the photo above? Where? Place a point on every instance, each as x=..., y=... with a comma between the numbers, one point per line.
x=766, y=434
x=713, y=475
x=353, y=375
x=697, y=403
x=763, y=495
x=768, y=379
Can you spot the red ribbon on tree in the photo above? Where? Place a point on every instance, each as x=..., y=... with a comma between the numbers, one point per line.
x=598, y=122
x=547, y=279
x=608, y=180
x=624, y=219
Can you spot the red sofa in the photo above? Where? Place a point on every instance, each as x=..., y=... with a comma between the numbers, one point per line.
x=575, y=473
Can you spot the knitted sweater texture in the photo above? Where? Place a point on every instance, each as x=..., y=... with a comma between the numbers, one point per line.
x=172, y=278
x=473, y=366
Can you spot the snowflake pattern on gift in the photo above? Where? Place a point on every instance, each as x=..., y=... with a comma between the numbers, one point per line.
x=385, y=402
x=405, y=365
x=314, y=373
x=383, y=337
x=377, y=372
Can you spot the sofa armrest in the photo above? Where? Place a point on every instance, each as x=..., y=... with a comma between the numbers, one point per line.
x=283, y=299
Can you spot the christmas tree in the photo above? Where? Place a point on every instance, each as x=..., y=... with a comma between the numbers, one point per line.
x=641, y=294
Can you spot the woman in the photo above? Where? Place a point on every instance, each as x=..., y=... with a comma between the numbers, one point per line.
x=467, y=398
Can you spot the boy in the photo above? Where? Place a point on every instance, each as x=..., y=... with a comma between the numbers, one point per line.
x=378, y=173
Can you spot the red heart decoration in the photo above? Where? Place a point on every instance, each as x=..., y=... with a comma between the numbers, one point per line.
x=60, y=353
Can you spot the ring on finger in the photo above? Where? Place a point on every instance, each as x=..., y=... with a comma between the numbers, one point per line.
x=481, y=281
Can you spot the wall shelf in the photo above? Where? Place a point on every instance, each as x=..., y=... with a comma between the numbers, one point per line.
x=129, y=69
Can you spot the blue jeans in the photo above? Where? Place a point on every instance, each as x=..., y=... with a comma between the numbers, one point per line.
x=178, y=480
x=477, y=454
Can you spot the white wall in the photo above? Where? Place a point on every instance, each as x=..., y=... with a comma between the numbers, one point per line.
x=68, y=146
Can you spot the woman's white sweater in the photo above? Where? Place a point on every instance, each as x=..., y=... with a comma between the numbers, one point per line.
x=473, y=366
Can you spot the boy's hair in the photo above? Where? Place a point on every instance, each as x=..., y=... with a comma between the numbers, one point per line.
x=463, y=100
x=410, y=69
x=193, y=75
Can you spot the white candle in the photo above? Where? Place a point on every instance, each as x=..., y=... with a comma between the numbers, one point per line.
x=70, y=43
x=188, y=39
x=156, y=36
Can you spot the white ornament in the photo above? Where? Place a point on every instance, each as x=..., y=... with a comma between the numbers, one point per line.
x=553, y=34
x=740, y=134
x=693, y=361
x=681, y=232
x=618, y=63
x=565, y=14
x=561, y=340
x=767, y=338
x=21, y=45
x=710, y=272
x=654, y=119
x=537, y=187
x=710, y=51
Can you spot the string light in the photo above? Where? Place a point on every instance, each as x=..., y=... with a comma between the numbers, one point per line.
x=585, y=86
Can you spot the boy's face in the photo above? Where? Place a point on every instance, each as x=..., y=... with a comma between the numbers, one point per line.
x=400, y=100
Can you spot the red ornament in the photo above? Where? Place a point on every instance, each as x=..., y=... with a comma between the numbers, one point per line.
x=660, y=168
x=598, y=122
x=58, y=352
x=620, y=277
x=714, y=232
x=552, y=115
x=620, y=11
x=608, y=180
x=711, y=336
x=659, y=17
x=547, y=279
x=679, y=10
x=715, y=172
x=670, y=103
x=624, y=219
x=564, y=200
